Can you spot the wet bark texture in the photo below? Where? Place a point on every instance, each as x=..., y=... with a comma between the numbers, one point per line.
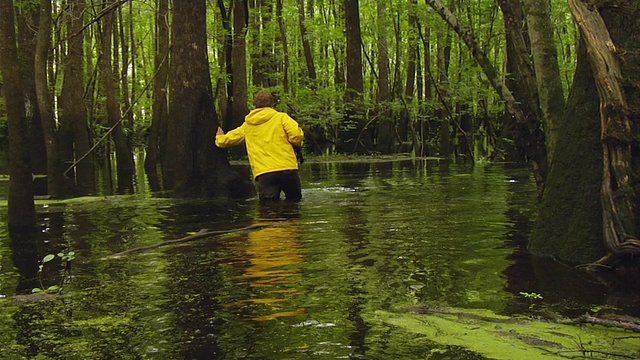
x=569, y=222
x=611, y=34
x=194, y=166
x=124, y=157
x=75, y=142
x=158, y=131
x=21, y=209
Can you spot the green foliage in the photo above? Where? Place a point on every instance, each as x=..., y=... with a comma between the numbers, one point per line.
x=65, y=271
x=532, y=297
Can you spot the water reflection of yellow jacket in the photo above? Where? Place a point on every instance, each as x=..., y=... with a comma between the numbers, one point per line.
x=269, y=136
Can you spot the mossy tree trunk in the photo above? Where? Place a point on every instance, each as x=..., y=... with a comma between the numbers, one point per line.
x=569, y=223
x=611, y=33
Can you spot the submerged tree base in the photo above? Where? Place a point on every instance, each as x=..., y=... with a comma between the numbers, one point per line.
x=502, y=337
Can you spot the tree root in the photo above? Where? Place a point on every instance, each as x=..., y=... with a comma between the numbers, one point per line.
x=199, y=235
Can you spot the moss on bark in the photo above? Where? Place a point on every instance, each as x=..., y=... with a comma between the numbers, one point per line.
x=569, y=223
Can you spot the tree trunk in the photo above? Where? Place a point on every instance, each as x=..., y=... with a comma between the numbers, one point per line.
x=27, y=18
x=55, y=183
x=528, y=136
x=239, y=96
x=264, y=63
x=354, y=137
x=226, y=112
x=611, y=34
x=384, y=135
x=194, y=166
x=545, y=61
x=21, y=209
x=443, y=93
x=520, y=76
x=306, y=44
x=75, y=136
x=569, y=222
x=285, y=46
x=158, y=132
x=124, y=157
x=410, y=79
x=239, y=107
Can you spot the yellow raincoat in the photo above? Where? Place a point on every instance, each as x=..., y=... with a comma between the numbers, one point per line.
x=269, y=136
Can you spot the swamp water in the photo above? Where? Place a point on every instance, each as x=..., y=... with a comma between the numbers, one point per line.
x=386, y=260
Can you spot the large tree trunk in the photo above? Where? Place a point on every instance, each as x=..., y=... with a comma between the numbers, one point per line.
x=569, y=222
x=520, y=76
x=21, y=209
x=545, y=61
x=611, y=34
x=158, y=132
x=55, y=183
x=193, y=165
x=75, y=136
x=239, y=96
x=239, y=106
x=354, y=137
x=27, y=18
x=124, y=157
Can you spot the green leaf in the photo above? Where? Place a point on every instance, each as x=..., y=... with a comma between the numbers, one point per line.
x=48, y=258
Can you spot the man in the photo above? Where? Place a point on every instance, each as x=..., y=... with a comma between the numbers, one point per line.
x=270, y=137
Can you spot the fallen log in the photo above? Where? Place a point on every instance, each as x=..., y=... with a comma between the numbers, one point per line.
x=623, y=322
x=202, y=233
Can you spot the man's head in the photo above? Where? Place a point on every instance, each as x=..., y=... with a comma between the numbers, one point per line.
x=264, y=98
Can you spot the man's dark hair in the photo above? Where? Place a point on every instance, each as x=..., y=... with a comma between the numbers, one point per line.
x=264, y=99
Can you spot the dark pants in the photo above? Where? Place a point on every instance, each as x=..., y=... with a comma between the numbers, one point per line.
x=271, y=184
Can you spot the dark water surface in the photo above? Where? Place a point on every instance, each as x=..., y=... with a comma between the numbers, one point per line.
x=366, y=237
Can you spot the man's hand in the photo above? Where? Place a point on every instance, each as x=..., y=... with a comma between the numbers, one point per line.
x=220, y=131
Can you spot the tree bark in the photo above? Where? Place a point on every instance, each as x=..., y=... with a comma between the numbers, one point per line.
x=520, y=75
x=285, y=46
x=383, y=96
x=75, y=135
x=306, y=43
x=27, y=25
x=158, y=131
x=124, y=157
x=239, y=107
x=611, y=34
x=21, y=208
x=194, y=166
x=55, y=183
x=568, y=226
x=547, y=71
x=353, y=138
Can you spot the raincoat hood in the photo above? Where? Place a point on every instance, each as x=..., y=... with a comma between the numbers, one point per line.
x=260, y=116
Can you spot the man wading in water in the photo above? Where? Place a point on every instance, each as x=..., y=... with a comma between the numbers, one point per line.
x=270, y=137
